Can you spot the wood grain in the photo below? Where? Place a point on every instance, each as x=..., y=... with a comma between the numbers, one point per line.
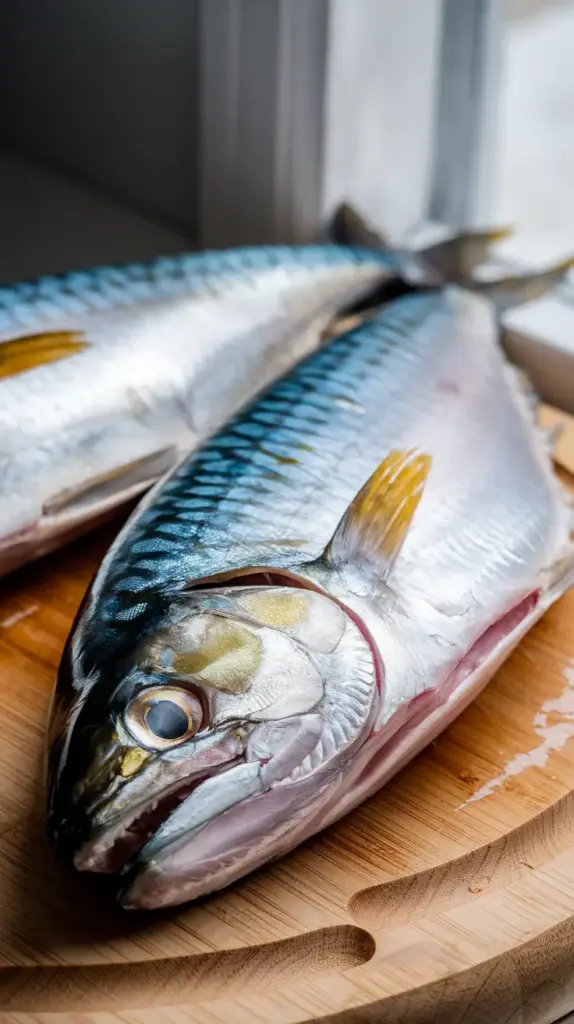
x=426, y=904
x=551, y=419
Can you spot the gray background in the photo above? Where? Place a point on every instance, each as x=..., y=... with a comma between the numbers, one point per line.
x=106, y=89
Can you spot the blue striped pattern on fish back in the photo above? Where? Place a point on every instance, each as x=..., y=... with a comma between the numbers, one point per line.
x=251, y=495
x=102, y=288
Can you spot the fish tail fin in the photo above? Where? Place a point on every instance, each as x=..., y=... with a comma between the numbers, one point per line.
x=348, y=227
x=456, y=258
x=517, y=290
x=452, y=259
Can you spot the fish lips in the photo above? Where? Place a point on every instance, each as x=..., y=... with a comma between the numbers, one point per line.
x=235, y=822
x=115, y=831
x=184, y=864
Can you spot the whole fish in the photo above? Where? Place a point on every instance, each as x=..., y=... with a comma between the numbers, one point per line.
x=107, y=377
x=305, y=603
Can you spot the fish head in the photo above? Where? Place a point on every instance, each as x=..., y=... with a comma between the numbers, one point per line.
x=229, y=727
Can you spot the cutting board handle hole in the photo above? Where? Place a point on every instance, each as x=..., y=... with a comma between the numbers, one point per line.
x=184, y=979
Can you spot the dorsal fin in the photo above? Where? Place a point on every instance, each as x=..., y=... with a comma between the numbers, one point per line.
x=507, y=292
x=375, y=525
x=451, y=259
x=348, y=227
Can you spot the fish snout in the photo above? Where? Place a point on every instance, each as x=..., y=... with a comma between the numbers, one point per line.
x=235, y=820
x=73, y=805
x=142, y=795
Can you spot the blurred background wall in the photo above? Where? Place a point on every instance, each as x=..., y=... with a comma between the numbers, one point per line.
x=535, y=145
x=107, y=90
x=100, y=121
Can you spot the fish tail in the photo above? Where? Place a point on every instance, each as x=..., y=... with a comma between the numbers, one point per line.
x=516, y=290
x=453, y=259
x=348, y=227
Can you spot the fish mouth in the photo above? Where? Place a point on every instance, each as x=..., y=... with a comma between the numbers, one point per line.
x=235, y=840
x=113, y=844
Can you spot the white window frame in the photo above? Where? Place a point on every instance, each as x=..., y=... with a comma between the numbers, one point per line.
x=307, y=102
x=392, y=106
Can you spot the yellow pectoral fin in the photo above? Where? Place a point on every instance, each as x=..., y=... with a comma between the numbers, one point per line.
x=375, y=525
x=31, y=350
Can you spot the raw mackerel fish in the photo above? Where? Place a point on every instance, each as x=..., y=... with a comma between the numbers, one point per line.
x=305, y=603
x=108, y=377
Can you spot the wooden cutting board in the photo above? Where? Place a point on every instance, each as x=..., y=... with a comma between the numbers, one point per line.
x=449, y=897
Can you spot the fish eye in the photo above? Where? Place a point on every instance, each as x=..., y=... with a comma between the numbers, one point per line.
x=163, y=717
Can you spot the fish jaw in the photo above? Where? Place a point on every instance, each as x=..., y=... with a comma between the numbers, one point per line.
x=232, y=844
x=104, y=788
x=127, y=822
x=213, y=825
x=233, y=823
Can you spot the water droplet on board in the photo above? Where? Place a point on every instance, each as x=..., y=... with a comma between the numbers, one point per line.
x=553, y=723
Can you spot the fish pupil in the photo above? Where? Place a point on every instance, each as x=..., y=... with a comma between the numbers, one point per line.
x=167, y=720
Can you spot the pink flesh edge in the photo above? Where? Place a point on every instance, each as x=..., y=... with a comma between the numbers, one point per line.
x=384, y=753
x=417, y=723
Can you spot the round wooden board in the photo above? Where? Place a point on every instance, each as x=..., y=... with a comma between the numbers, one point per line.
x=449, y=897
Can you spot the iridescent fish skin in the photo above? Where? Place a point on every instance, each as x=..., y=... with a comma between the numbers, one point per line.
x=120, y=370
x=305, y=603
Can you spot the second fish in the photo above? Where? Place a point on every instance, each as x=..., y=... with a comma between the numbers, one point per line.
x=108, y=377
